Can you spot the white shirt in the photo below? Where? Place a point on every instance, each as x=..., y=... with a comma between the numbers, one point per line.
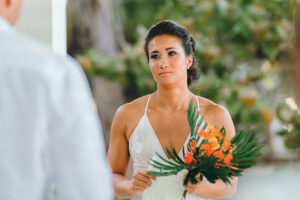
x=51, y=144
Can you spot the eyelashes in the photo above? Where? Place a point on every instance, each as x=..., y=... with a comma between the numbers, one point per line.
x=156, y=56
x=172, y=53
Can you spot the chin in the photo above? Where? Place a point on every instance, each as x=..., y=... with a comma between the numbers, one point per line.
x=168, y=83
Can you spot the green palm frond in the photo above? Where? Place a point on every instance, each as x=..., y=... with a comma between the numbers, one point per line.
x=177, y=157
x=250, y=151
x=237, y=137
x=163, y=173
x=173, y=157
x=246, y=150
x=167, y=161
x=193, y=115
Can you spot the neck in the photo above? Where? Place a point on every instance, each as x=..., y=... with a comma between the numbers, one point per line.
x=172, y=99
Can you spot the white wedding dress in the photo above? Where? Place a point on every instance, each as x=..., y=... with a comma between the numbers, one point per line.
x=143, y=144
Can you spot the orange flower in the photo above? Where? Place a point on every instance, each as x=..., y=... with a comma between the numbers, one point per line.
x=210, y=128
x=217, y=133
x=205, y=134
x=207, y=149
x=201, y=133
x=228, y=158
x=188, y=158
x=189, y=154
x=226, y=144
x=192, y=149
x=219, y=154
x=193, y=143
x=194, y=160
x=214, y=143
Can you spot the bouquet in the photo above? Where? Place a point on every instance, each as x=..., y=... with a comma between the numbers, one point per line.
x=210, y=153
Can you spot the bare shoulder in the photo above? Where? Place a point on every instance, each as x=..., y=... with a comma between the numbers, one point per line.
x=217, y=115
x=128, y=115
x=132, y=108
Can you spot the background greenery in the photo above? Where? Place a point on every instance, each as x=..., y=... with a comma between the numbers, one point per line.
x=242, y=47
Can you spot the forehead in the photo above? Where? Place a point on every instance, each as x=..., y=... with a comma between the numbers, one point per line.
x=161, y=42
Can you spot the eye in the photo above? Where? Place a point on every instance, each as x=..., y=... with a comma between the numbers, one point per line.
x=172, y=53
x=154, y=56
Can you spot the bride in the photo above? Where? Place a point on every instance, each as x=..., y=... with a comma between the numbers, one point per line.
x=151, y=123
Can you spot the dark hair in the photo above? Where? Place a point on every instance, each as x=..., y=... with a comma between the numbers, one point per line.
x=188, y=43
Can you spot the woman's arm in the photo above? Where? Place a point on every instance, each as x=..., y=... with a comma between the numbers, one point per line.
x=118, y=157
x=217, y=116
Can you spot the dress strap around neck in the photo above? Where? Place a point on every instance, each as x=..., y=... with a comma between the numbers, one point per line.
x=197, y=102
x=146, y=108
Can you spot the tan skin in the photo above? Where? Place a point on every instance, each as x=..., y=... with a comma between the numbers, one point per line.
x=167, y=113
x=10, y=9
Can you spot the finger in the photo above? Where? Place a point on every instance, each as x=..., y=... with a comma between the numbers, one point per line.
x=199, y=178
x=138, y=189
x=191, y=185
x=145, y=173
x=142, y=178
x=152, y=177
x=142, y=184
x=190, y=190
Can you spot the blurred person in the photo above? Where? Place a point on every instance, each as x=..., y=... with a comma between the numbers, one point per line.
x=153, y=122
x=50, y=138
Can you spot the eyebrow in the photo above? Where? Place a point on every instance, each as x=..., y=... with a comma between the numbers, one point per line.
x=155, y=51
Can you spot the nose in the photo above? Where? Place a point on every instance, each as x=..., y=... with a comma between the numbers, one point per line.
x=163, y=62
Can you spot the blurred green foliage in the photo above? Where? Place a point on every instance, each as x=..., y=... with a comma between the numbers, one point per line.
x=242, y=47
x=291, y=120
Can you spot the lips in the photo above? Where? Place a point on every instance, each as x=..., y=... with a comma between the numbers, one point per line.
x=164, y=73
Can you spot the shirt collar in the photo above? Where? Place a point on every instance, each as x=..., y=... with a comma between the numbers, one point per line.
x=4, y=24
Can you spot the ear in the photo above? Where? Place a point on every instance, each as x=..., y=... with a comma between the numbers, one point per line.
x=189, y=61
x=9, y=2
x=12, y=9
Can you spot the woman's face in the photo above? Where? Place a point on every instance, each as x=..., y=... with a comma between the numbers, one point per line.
x=167, y=60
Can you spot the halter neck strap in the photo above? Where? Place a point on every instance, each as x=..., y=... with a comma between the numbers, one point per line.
x=197, y=102
x=146, y=108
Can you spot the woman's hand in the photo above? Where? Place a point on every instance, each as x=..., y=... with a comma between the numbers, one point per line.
x=141, y=180
x=193, y=188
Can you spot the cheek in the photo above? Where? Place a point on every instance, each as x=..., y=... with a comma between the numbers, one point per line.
x=151, y=66
x=153, y=70
x=179, y=62
x=180, y=65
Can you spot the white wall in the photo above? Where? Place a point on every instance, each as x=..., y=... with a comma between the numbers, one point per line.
x=35, y=20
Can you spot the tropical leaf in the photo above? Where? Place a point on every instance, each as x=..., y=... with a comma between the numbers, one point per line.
x=247, y=153
x=167, y=161
x=177, y=157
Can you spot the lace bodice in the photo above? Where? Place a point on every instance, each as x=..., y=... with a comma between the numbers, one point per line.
x=143, y=144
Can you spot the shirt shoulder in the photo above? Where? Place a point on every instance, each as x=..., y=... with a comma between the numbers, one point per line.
x=18, y=50
x=21, y=54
